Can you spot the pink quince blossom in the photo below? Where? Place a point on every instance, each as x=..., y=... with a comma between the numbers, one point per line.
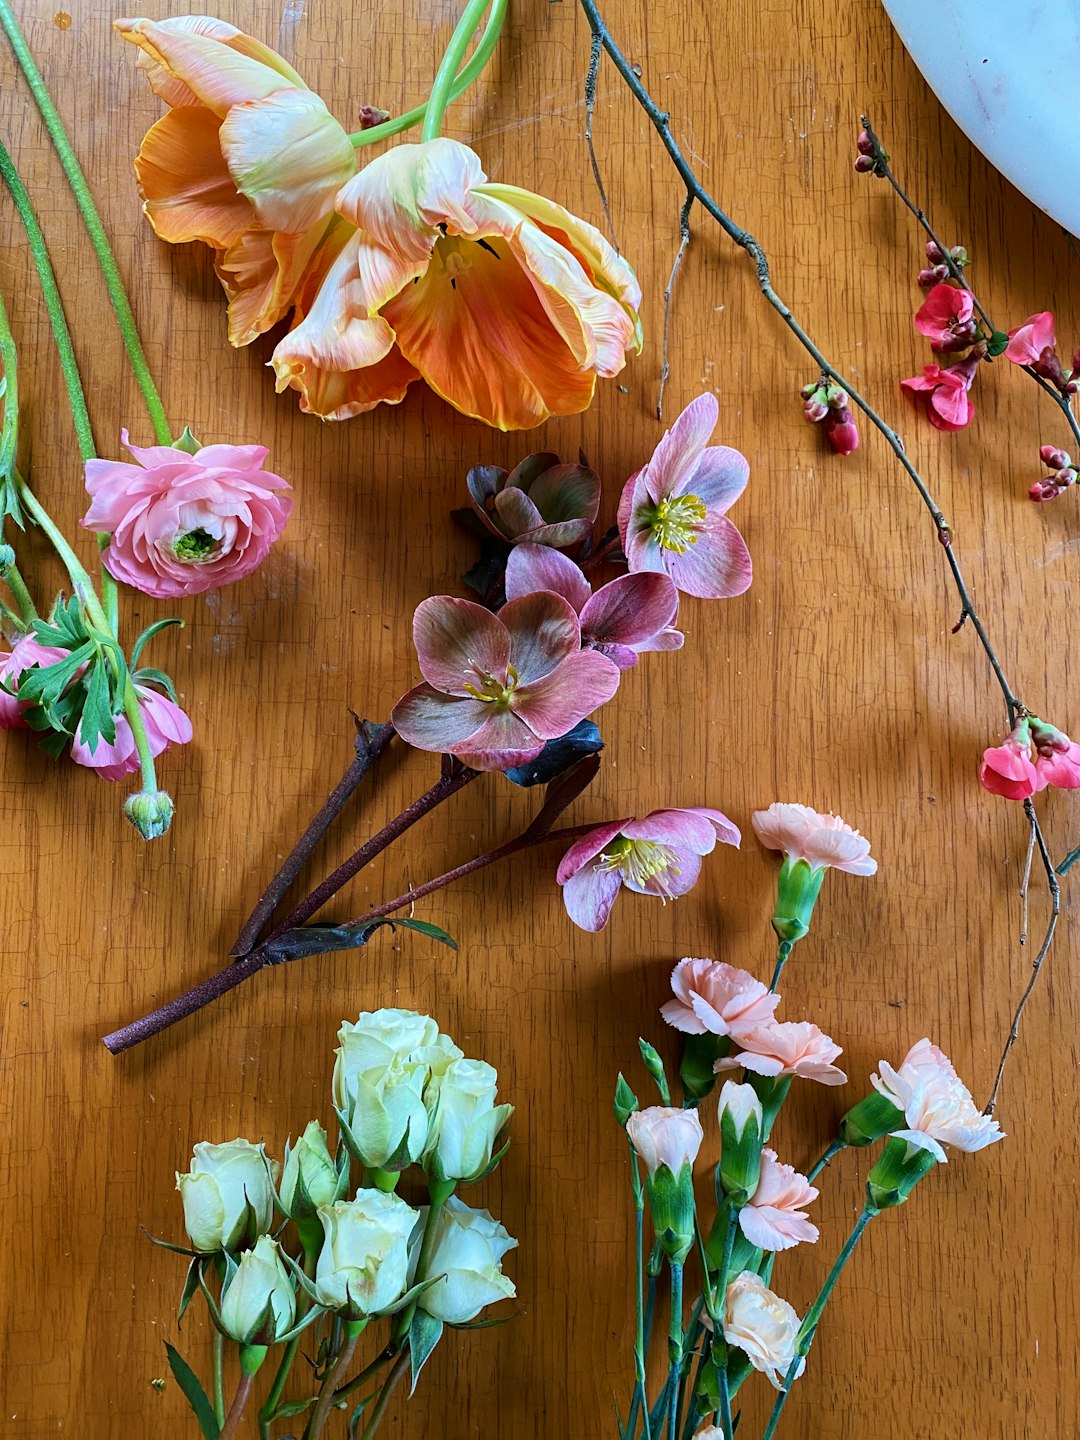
x=948, y=404
x=624, y=618
x=657, y=855
x=786, y=1047
x=823, y=841
x=181, y=524
x=946, y=318
x=23, y=655
x=937, y=1105
x=165, y=724
x=715, y=997
x=1028, y=341
x=1008, y=769
x=773, y=1218
x=498, y=687
x=673, y=513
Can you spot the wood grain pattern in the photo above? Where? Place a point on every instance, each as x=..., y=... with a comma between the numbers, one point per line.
x=834, y=681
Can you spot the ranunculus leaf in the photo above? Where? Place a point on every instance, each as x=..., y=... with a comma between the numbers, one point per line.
x=558, y=756
x=193, y=1393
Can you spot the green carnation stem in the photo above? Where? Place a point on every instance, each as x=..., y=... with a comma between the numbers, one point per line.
x=96, y=229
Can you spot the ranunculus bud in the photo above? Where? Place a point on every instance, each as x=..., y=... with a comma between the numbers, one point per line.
x=309, y=1177
x=228, y=1195
x=741, y=1129
x=467, y=1251
x=257, y=1303
x=151, y=813
x=364, y=1262
x=668, y=1141
x=464, y=1120
x=899, y=1168
x=384, y=1062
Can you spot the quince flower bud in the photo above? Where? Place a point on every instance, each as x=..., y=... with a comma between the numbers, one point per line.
x=151, y=813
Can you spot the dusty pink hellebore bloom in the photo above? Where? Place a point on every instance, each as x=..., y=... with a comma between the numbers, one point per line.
x=715, y=997
x=785, y=1047
x=946, y=318
x=625, y=617
x=181, y=524
x=658, y=855
x=772, y=1218
x=823, y=841
x=166, y=724
x=948, y=404
x=540, y=502
x=498, y=687
x=937, y=1105
x=1028, y=341
x=672, y=513
x=24, y=655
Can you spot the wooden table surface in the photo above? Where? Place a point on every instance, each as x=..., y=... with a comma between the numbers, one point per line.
x=834, y=681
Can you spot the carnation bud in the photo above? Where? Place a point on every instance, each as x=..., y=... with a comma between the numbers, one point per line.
x=869, y=1120
x=1055, y=458
x=900, y=1167
x=741, y=1126
x=626, y=1102
x=151, y=813
x=668, y=1141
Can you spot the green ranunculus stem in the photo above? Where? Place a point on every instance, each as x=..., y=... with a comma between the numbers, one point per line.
x=98, y=237
x=445, y=76
x=218, y=1369
x=462, y=81
x=25, y=601
x=810, y=1322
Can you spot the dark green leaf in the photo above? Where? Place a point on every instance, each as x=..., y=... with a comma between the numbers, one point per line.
x=97, y=718
x=194, y=1393
x=149, y=633
x=425, y=1332
x=558, y=756
x=49, y=681
x=191, y=1285
x=321, y=939
x=293, y=1407
x=997, y=343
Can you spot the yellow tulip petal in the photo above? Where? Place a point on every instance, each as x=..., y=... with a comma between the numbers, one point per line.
x=187, y=191
x=289, y=156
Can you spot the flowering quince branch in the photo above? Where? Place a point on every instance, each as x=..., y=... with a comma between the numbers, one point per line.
x=727, y=1017
x=348, y=1252
x=842, y=392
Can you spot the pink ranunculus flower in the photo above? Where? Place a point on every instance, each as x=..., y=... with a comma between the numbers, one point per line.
x=664, y=1136
x=23, y=655
x=165, y=724
x=763, y=1326
x=715, y=997
x=948, y=404
x=181, y=524
x=937, y=1105
x=1028, y=341
x=498, y=687
x=624, y=618
x=657, y=855
x=823, y=841
x=673, y=513
x=946, y=318
x=785, y=1047
x=773, y=1218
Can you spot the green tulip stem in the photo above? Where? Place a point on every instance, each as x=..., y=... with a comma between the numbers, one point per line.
x=92, y=219
x=810, y=1322
x=783, y=953
x=465, y=77
x=327, y=1394
x=397, y=1374
x=218, y=1363
x=231, y=1426
x=449, y=66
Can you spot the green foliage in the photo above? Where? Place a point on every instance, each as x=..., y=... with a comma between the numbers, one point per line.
x=193, y=1393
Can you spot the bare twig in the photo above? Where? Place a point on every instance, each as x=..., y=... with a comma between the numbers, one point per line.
x=1025, y=883
x=684, y=241
x=590, y=111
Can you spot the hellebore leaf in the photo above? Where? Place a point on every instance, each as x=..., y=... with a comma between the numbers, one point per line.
x=558, y=756
x=321, y=939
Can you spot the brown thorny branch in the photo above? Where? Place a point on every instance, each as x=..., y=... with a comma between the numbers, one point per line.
x=696, y=192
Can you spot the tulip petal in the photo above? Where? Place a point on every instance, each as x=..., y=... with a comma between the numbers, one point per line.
x=408, y=197
x=430, y=720
x=538, y=567
x=630, y=610
x=554, y=705
x=261, y=273
x=459, y=642
x=289, y=156
x=718, y=567
x=188, y=193
x=589, y=896
x=676, y=457
x=196, y=59
x=544, y=633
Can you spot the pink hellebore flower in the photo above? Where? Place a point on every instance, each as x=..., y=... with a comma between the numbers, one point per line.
x=672, y=513
x=772, y=1219
x=785, y=1047
x=823, y=841
x=24, y=655
x=165, y=723
x=498, y=687
x=1028, y=341
x=948, y=405
x=715, y=997
x=937, y=1105
x=630, y=614
x=946, y=318
x=658, y=855
x=540, y=502
x=181, y=524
